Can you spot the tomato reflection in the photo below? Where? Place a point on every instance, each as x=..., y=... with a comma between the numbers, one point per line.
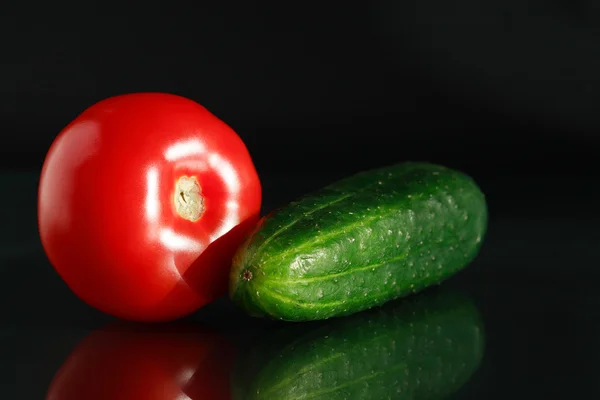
x=126, y=361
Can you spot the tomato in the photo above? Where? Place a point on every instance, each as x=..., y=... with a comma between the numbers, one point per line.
x=142, y=201
x=123, y=362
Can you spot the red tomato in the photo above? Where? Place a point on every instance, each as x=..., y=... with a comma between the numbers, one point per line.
x=143, y=199
x=129, y=363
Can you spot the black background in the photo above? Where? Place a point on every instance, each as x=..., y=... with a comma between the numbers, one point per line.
x=501, y=86
x=507, y=91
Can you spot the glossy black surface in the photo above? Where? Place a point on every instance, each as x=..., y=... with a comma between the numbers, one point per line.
x=534, y=286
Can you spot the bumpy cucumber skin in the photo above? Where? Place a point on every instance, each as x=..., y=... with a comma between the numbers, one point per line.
x=360, y=242
x=425, y=347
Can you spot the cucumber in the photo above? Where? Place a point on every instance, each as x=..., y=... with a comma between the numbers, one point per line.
x=360, y=242
x=424, y=347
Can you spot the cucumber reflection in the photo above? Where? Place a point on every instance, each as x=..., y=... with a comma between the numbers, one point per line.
x=126, y=361
x=423, y=347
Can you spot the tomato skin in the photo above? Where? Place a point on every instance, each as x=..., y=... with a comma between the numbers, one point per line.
x=107, y=213
x=121, y=362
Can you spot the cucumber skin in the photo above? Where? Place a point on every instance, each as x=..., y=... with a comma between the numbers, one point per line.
x=424, y=347
x=359, y=243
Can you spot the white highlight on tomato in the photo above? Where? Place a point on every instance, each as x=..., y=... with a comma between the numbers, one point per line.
x=152, y=194
x=226, y=172
x=171, y=267
x=232, y=205
x=175, y=241
x=232, y=182
x=231, y=218
x=183, y=378
x=186, y=148
x=196, y=165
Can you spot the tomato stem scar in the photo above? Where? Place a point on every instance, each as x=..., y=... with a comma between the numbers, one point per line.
x=188, y=199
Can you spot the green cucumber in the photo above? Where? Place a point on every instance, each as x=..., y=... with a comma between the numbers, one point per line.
x=360, y=242
x=424, y=347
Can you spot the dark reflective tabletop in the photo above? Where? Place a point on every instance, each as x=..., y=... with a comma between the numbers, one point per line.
x=520, y=322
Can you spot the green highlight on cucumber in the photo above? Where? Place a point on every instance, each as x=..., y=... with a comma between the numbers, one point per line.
x=360, y=242
x=423, y=347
